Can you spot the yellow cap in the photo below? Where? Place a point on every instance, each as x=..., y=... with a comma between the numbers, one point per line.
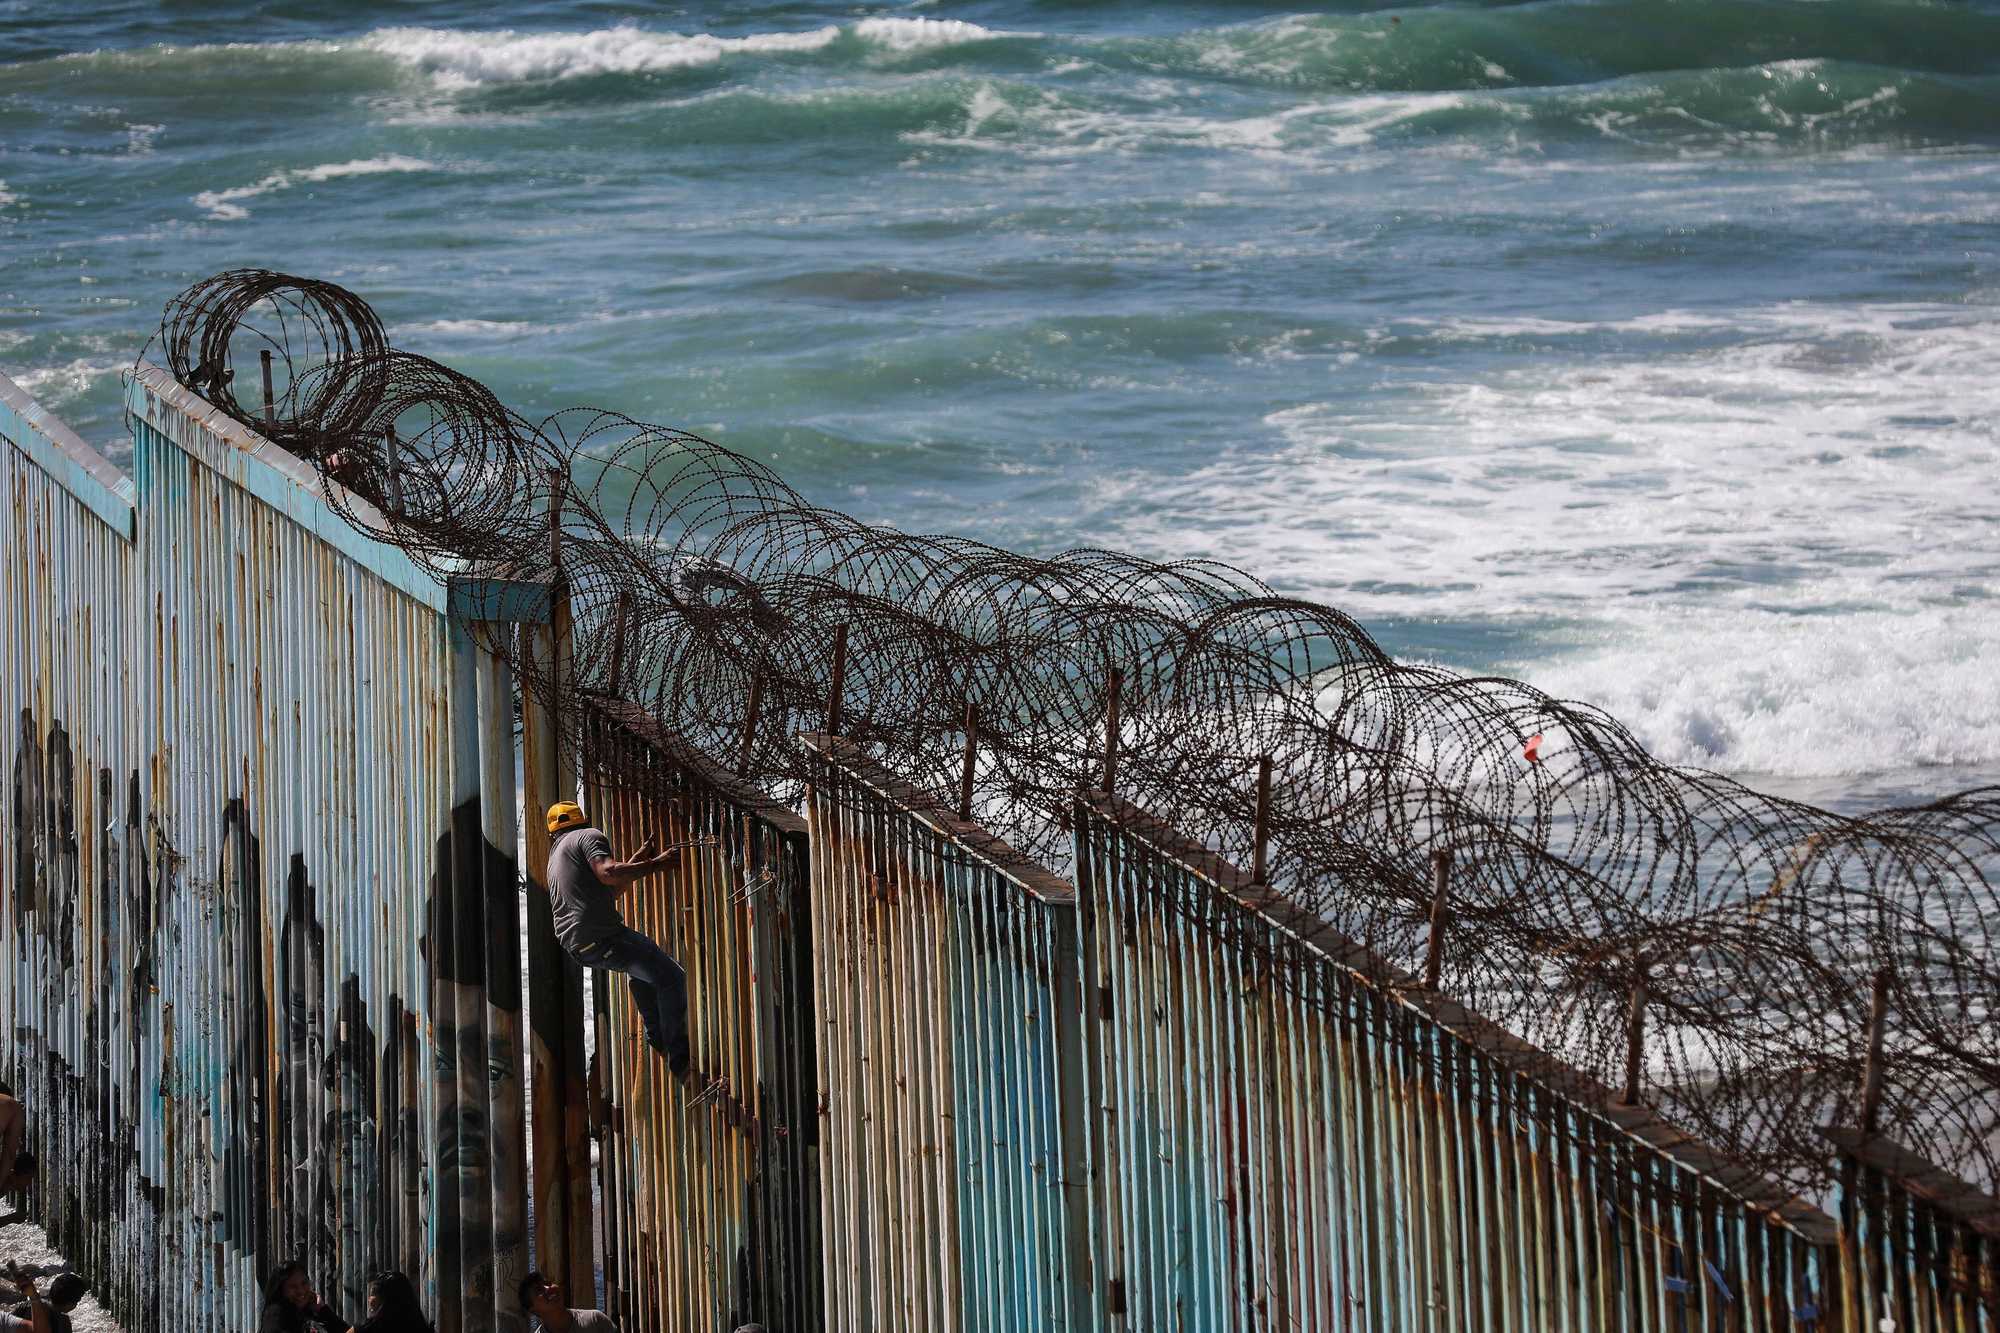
x=565, y=815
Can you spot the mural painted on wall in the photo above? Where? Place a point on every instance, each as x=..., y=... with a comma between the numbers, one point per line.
x=479, y=1132
x=305, y=1096
x=247, y=1177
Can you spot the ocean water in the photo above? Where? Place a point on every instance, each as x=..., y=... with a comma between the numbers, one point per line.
x=1647, y=351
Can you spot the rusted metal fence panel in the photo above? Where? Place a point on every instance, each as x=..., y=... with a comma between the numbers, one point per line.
x=1291, y=1133
x=232, y=859
x=951, y=1062
x=1920, y=1247
x=711, y=1201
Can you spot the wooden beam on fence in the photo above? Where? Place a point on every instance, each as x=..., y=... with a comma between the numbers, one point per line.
x=1635, y=1037
x=270, y=400
x=1440, y=895
x=971, y=756
x=1117, y=687
x=556, y=479
x=838, y=682
x=1260, y=830
x=1871, y=1072
x=751, y=715
x=392, y=452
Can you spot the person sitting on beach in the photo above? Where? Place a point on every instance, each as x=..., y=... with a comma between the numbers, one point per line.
x=584, y=882
x=292, y=1306
x=393, y=1307
x=39, y=1315
x=543, y=1299
x=65, y=1293
x=17, y=1167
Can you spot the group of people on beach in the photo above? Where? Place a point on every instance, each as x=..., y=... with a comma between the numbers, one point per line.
x=292, y=1305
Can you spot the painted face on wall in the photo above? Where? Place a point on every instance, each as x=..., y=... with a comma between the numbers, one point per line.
x=474, y=1082
x=245, y=1006
x=27, y=824
x=477, y=1130
x=301, y=1041
x=302, y=944
x=348, y=1145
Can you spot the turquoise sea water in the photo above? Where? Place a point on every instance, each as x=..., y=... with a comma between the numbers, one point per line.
x=1647, y=351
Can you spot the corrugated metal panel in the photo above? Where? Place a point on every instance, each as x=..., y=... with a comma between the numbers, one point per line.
x=228, y=743
x=1293, y=1134
x=711, y=1205
x=951, y=1062
x=72, y=881
x=298, y=722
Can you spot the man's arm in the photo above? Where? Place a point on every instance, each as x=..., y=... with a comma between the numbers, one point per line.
x=619, y=876
x=38, y=1312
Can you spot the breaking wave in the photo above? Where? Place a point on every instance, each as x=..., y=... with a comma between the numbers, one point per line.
x=1840, y=72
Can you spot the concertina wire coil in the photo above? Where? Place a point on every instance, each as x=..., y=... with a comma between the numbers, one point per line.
x=1578, y=865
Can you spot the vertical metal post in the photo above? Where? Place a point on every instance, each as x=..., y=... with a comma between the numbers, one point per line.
x=555, y=1007
x=270, y=400
x=1117, y=689
x=620, y=619
x=502, y=1053
x=411, y=1247
x=1635, y=1036
x=393, y=453
x=838, y=682
x=971, y=756
x=1440, y=896
x=1871, y=1072
x=575, y=1095
x=456, y=1008
x=1261, y=829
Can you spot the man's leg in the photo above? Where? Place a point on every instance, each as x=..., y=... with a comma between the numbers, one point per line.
x=659, y=988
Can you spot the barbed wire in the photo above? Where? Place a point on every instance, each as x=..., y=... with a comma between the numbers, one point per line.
x=708, y=591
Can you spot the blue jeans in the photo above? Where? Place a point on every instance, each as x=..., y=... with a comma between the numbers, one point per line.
x=659, y=989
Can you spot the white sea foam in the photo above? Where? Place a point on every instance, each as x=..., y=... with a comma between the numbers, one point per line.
x=456, y=60
x=1738, y=688
x=460, y=60
x=6, y=197
x=1045, y=126
x=477, y=328
x=227, y=206
x=919, y=34
x=1776, y=531
x=54, y=386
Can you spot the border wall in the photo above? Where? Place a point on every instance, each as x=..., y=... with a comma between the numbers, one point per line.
x=266, y=998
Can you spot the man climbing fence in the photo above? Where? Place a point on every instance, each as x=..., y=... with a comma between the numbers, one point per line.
x=584, y=883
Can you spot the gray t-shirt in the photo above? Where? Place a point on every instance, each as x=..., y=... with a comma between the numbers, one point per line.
x=593, y=1321
x=583, y=911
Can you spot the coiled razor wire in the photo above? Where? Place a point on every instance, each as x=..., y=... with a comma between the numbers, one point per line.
x=1580, y=868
